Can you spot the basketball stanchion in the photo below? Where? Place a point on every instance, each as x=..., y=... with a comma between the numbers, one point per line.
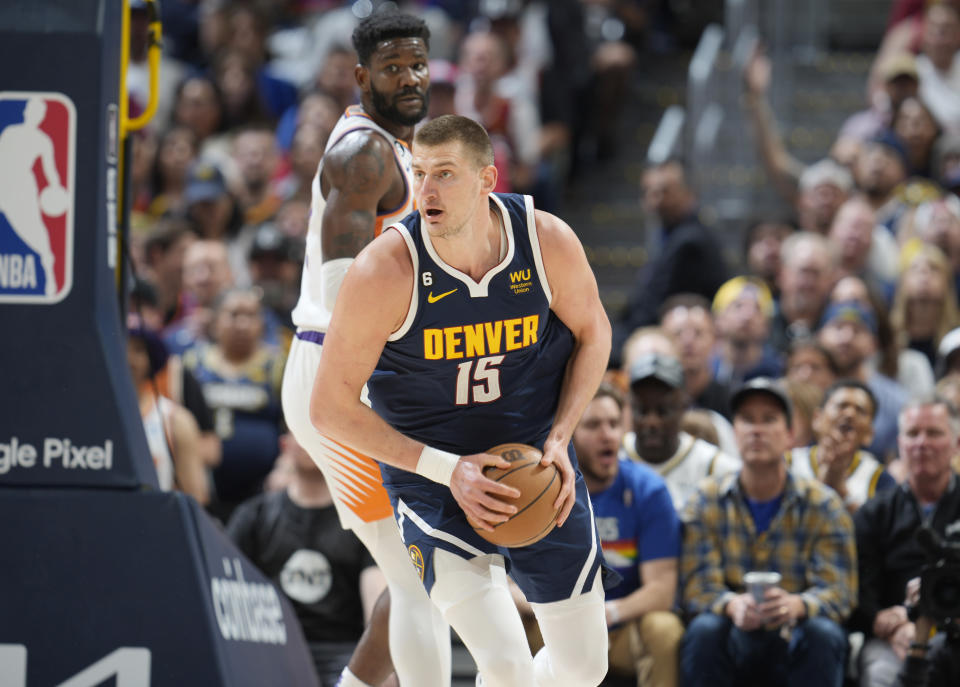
x=105, y=577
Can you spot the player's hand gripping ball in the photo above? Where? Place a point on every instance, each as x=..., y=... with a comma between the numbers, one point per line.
x=538, y=486
x=54, y=200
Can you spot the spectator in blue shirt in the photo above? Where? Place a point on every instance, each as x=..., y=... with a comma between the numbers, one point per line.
x=640, y=536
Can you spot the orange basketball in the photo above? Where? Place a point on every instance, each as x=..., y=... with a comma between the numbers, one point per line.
x=539, y=487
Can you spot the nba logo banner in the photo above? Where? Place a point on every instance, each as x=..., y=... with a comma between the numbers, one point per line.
x=37, y=152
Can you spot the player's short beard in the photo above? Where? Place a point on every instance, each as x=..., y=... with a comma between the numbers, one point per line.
x=389, y=109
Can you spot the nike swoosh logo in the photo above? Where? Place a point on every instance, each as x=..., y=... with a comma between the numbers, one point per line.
x=433, y=299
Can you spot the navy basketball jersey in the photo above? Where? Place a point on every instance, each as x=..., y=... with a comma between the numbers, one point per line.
x=475, y=364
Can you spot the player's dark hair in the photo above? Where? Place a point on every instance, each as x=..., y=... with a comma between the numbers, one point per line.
x=451, y=128
x=848, y=383
x=384, y=26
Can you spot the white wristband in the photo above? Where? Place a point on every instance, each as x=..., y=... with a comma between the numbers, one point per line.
x=437, y=465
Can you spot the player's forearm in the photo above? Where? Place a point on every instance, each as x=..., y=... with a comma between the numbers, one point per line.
x=358, y=427
x=584, y=374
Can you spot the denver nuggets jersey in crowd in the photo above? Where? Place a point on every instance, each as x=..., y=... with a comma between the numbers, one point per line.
x=246, y=407
x=474, y=364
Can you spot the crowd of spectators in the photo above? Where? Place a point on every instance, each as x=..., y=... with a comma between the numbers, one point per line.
x=850, y=296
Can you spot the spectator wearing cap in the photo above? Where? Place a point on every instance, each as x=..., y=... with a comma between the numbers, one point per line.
x=843, y=424
x=743, y=308
x=656, y=340
x=761, y=518
x=274, y=266
x=657, y=404
x=640, y=537
x=848, y=331
x=880, y=169
x=211, y=208
x=898, y=80
x=910, y=368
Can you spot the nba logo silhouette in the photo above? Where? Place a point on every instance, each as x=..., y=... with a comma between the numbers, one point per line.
x=37, y=151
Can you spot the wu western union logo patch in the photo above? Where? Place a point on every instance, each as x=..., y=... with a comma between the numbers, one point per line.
x=520, y=281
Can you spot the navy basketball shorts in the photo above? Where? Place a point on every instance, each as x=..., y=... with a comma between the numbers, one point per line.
x=560, y=566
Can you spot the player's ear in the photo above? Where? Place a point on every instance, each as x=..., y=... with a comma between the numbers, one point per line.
x=362, y=76
x=488, y=178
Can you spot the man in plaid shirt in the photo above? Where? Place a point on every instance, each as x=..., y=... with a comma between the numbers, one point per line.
x=762, y=519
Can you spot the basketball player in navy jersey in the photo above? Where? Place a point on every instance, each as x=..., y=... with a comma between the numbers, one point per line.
x=362, y=183
x=477, y=321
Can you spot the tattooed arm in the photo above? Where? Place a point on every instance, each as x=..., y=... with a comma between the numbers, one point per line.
x=358, y=173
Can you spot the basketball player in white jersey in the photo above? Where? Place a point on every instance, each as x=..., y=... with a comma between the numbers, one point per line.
x=363, y=183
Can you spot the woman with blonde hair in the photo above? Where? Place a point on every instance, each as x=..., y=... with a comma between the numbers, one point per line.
x=925, y=303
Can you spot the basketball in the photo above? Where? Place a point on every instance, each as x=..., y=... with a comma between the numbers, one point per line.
x=539, y=487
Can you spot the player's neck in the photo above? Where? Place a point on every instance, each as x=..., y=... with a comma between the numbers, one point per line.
x=401, y=131
x=476, y=248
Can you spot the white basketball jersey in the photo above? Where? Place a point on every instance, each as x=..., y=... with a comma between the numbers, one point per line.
x=311, y=313
x=694, y=460
x=862, y=476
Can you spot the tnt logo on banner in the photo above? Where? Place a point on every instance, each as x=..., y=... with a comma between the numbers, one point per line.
x=37, y=152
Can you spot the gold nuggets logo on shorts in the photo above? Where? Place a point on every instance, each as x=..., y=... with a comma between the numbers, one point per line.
x=417, y=558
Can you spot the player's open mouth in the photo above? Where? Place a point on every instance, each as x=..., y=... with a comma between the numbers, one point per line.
x=433, y=212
